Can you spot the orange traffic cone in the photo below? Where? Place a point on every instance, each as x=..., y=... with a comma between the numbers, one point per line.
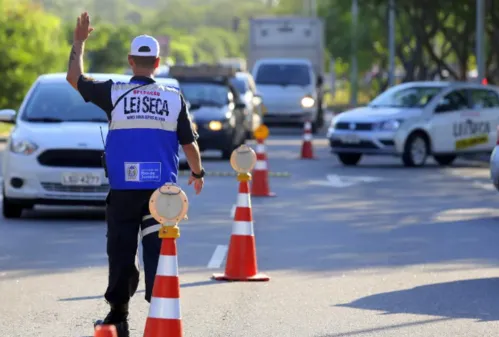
x=307, y=151
x=260, y=184
x=164, y=311
x=241, y=260
x=105, y=331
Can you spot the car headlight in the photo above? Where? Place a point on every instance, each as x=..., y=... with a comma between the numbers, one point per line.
x=215, y=125
x=307, y=102
x=25, y=147
x=391, y=125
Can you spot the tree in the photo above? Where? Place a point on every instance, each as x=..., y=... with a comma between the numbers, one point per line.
x=32, y=43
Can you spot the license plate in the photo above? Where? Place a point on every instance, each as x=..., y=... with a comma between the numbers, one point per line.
x=81, y=179
x=350, y=139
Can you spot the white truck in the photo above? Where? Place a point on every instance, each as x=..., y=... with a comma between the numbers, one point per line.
x=286, y=59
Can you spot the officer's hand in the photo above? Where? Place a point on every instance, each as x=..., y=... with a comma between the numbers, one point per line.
x=83, y=29
x=198, y=183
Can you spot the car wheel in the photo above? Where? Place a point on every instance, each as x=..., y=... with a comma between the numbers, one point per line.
x=444, y=160
x=349, y=159
x=416, y=150
x=11, y=210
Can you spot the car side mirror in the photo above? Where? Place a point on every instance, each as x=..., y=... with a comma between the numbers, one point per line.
x=8, y=116
x=240, y=105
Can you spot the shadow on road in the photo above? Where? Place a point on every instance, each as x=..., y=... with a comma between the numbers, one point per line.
x=469, y=299
x=183, y=285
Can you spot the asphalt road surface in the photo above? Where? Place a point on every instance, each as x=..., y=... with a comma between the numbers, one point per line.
x=374, y=250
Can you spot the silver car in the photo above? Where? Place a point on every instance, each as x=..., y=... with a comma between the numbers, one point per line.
x=420, y=119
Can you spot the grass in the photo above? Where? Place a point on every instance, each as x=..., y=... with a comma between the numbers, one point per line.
x=5, y=129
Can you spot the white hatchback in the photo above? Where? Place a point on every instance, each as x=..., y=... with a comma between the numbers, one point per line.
x=53, y=155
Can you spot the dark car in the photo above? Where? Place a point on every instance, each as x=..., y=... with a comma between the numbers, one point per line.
x=217, y=109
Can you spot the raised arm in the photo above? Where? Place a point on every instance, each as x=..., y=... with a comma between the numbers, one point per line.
x=80, y=35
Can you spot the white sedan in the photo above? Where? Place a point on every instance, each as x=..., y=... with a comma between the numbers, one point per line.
x=418, y=119
x=53, y=155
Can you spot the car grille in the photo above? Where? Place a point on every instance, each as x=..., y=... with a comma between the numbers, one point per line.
x=55, y=187
x=71, y=158
x=364, y=144
x=358, y=126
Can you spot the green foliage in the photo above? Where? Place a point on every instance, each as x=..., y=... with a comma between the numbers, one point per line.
x=32, y=44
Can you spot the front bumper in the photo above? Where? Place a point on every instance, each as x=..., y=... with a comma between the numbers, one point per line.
x=43, y=184
x=286, y=115
x=214, y=140
x=363, y=142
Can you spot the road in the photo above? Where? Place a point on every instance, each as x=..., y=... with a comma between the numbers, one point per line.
x=375, y=250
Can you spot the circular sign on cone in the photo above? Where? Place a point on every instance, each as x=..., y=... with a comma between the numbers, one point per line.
x=243, y=159
x=261, y=132
x=168, y=204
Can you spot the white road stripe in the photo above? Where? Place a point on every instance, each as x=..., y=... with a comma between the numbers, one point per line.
x=233, y=211
x=218, y=257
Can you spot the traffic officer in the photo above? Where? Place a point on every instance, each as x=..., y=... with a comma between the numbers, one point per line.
x=147, y=123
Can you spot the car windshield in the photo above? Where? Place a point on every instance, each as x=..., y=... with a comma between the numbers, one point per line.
x=59, y=102
x=205, y=93
x=240, y=84
x=412, y=97
x=283, y=74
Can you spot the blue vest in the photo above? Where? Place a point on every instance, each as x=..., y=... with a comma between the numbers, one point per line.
x=142, y=144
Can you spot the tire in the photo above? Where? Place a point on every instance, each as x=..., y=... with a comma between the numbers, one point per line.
x=349, y=159
x=11, y=210
x=416, y=150
x=444, y=160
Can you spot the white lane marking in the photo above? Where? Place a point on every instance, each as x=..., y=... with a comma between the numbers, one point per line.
x=218, y=257
x=345, y=181
x=233, y=211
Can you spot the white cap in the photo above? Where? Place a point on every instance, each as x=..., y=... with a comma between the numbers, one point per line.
x=144, y=45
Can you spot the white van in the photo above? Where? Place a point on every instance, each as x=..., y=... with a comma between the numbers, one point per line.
x=289, y=91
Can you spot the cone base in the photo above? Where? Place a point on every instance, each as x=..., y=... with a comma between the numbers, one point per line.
x=270, y=194
x=310, y=158
x=255, y=278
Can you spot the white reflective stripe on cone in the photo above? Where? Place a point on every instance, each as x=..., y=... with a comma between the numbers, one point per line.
x=307, y=137
x=167, y=266
x=149, y=230
x=308, y=126
x=260, y=148
x=243, y=228
x=243, y=200
x=166, y=308
x=260, y=165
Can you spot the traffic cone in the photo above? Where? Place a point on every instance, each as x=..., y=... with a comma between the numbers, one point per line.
x=105, y=331
x=164, y=311
x=260, y=184
x=307, y=151
x=241, y=259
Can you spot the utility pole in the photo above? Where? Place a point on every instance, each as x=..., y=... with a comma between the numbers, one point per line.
x=480, y=35
x=391, y=43
x=354, y=68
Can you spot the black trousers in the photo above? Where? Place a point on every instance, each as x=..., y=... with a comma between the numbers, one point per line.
x=127, y=213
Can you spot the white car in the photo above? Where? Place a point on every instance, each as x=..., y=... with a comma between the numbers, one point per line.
x=53, y=155
x=418, y=119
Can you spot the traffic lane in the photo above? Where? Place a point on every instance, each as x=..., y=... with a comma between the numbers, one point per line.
x=56, y=260
x=415, y=248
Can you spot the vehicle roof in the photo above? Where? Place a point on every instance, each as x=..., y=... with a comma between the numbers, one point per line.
x=57, y=77
x=281, y=60
x=447, y=84
x=60, y=77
